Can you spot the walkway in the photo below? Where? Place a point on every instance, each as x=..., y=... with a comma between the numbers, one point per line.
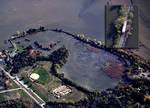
x=10, y=90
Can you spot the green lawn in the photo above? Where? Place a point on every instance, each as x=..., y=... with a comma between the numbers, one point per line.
x=2, y=98
x=40, y=93
x=44, y=75
x=19, y=49
x=25, y=96
x=12, y=85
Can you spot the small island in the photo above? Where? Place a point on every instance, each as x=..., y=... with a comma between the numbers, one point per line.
x=123, y=24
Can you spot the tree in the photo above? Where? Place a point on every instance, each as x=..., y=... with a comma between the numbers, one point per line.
x=119, y=22
x=129, y=21
x=131, y=15
x=148, y=63
x=123, y=10
x=58, y=67
x=59, y=55
x=129, y=33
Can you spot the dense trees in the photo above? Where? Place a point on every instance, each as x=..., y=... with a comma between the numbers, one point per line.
x=21, y=60
x=118, y=24
x=123, y=10
x=122, y=96
x=12, y=104
x=131, y=15
x=59, y=56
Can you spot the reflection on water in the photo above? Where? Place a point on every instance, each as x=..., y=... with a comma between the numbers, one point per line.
x=67, y=14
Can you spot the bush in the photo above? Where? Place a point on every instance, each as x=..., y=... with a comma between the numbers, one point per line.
x=131, y=15
x=123, y=10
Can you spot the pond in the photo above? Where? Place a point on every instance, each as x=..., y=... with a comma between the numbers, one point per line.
x=92, y=68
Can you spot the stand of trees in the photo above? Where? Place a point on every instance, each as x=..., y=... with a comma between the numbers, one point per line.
x=59, y=56
x=21, y=60
x=118, y=24
x=12, y=104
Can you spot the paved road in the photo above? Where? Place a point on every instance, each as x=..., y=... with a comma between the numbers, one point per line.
x=122, y=40
x=10, y=90
x=123, y=37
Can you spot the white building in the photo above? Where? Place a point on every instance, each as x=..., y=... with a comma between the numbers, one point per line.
x=61, y=91
x=124, y=26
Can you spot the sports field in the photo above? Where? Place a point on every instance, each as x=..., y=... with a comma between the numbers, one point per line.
x=44, y=76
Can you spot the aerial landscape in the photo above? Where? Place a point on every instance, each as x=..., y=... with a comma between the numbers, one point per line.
x=54, y=54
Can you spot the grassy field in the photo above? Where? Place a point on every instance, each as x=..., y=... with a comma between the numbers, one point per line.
x=44, y=75
x=73, y=97
x=18, y=94
x=11, y=84
x=15, y=94
x=2, y=98
x=46, y=83
x=25, y=96
x=19, y=49
x=41, y=92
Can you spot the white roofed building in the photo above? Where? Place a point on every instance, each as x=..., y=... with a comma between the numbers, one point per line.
x=61, y=91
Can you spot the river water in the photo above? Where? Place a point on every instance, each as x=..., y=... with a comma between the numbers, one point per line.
x=83, y=16
x=80, y=16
